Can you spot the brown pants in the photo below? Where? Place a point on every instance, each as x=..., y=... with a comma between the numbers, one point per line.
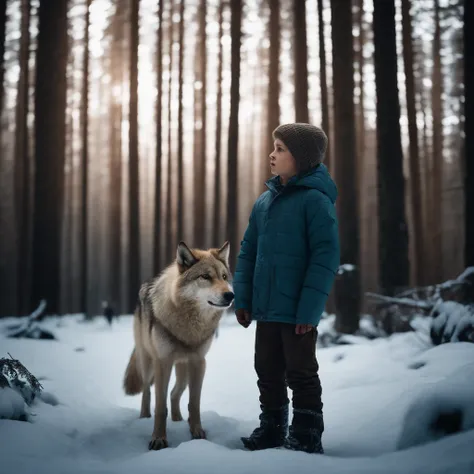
x=283, y=358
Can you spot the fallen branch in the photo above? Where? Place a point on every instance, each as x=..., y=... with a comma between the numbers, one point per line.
x=462, y=280
x=34, y=316
x=419, y=304
x=30, y=327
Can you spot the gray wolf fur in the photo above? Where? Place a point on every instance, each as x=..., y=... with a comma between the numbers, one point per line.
x=174, y=324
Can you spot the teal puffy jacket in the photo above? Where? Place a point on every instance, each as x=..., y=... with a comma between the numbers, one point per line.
x=290, y=251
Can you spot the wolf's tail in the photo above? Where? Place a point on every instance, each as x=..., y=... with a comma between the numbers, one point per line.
x=132, y=381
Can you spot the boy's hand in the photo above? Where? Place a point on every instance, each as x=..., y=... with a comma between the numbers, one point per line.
x=243, y=317
x=303, y=328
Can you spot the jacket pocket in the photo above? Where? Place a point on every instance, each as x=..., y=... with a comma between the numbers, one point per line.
x=289, y=282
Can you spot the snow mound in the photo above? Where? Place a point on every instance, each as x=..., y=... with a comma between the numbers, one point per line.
x=328, y=336
x=441, y=409
x=453, y=322
x=12, y=405
x=19, y=390
x=48, y=398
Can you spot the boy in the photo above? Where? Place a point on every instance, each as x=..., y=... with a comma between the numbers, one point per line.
x=285, y=270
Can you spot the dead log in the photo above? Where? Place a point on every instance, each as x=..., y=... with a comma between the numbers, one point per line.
x=30, y=328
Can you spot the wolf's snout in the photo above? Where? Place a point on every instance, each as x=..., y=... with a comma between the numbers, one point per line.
x=224, y=300
x=228, y=296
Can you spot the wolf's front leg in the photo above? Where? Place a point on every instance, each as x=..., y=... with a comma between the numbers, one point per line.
x=181, y=369
x=162, y=378
x=197, y=369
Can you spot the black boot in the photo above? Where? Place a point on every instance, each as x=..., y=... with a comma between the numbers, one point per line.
x=272, y=430
x=305, y=432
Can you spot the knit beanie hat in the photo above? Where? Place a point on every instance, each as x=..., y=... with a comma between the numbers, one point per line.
x=307, y=143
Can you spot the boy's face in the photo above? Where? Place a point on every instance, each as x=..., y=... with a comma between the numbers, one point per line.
x=282, y=162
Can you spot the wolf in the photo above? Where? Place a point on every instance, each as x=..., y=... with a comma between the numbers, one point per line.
x=174, y=324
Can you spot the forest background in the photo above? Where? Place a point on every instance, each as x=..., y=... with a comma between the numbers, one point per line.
x=129, y=125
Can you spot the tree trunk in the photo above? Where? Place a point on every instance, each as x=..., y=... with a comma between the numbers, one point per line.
x=85, y=164
x=425, y=168
x=323, y=80
x=67, y=287
x=134, y=195
x=361, y=178
x=415, y=181
x=273, y=100
x=233, y=140
x=200, y=131
x=469, y=131
x=170, y=244
x=8, y=300
x=180, y=179
x=116, y=179
x=68, y=265
x=22, y=167
x=50, y=113
x=247, y=167
x=436, y=104
x=301, y=61
x=217, y=227
x=393, y=236
x=3, y=24
x=359, y=56
x=159, y=86
x=264, y=140
x=347, y=287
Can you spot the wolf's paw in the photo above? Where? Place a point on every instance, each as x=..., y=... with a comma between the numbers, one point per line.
x=157, y=444
x=145, y=415
x=176, y=416
x=197, y=432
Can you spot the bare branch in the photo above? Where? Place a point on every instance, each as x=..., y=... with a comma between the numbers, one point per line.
x=423, y=305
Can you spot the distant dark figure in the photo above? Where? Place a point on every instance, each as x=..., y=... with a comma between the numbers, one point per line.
x=108, y=312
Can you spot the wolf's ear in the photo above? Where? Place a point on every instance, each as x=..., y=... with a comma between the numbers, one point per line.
x=185, y=257
x=224, y=251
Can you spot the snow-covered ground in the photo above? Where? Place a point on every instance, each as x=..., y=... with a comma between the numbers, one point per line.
x=379, y=397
